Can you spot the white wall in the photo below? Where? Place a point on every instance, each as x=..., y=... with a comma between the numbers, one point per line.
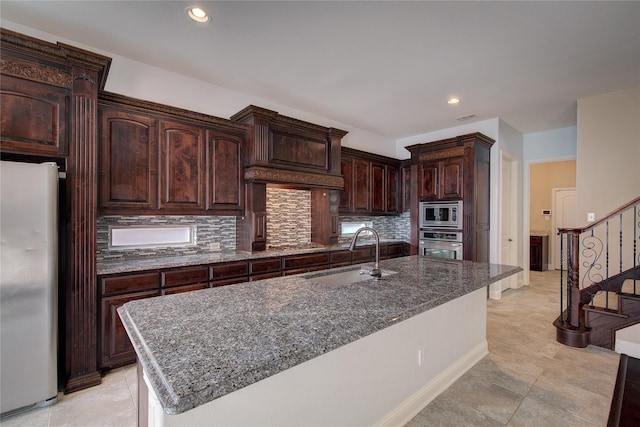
x=551, y=146
x=138, y=80
x=511, y=144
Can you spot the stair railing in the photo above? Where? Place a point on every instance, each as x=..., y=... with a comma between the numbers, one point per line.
x=609, y=250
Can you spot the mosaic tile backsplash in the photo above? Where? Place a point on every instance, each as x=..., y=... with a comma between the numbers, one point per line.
x=288, y=217
x=288, y=225
x=388, y=227
x=208, y=229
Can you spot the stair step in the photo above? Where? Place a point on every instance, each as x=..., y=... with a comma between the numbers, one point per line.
x=628, y=341
x=600, y=300
x=627, y=286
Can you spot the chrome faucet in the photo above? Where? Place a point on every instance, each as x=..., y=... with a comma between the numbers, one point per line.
x=376, y=269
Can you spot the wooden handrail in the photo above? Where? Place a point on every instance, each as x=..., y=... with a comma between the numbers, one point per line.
x=571, y=327
x=600, y=221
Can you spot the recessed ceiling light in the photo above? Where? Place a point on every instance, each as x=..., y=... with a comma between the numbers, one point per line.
x=453, y=101
x=198, y=14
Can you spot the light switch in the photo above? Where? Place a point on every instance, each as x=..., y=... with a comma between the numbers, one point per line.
x=591, y=216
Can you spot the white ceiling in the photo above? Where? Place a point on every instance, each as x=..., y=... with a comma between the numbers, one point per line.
x=384, y=67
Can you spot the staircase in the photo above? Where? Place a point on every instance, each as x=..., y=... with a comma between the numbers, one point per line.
x=600, y=279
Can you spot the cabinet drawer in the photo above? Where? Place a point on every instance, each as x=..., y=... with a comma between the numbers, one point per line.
x=341, y=257
x=114, y=285
x=231, y=281
x=264, y=266
x=362, y=254
x=184, y=276
x=265, y=276
x=185, y=288
x=234, y=269
x=304, y=261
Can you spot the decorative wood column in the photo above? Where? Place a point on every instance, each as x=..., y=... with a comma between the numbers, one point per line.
x=81, y=292
x=89, y=74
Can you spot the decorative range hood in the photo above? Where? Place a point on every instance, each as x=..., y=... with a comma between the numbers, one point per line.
x=287, y=151
x=292, y=153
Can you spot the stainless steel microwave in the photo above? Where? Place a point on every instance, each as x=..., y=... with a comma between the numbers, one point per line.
x=441, y=214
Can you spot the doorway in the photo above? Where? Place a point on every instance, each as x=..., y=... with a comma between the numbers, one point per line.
x=509, y=217
x=563, y=215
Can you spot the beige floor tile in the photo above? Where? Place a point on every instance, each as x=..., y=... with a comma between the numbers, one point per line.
x=38, y=417
x=552, y=384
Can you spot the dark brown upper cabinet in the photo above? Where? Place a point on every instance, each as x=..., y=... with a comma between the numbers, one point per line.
x=34, y=117
x=392, y=185
x=405, y=204
x=371, y=184
x=361, y=192
x=378, y=190
x=287, y=151
x=128, y=160
x=441, y=179
x=158, y=160
x=181, y=167
x=225, y=181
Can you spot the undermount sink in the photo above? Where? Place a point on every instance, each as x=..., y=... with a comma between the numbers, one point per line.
x=345, y=277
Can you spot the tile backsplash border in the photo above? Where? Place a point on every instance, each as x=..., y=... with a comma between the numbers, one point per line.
x=291, y=229
x=208, y=229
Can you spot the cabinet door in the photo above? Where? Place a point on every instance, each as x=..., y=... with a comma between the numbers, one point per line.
x=429, y=185
x=406, y=189
x=346, y=194
x=33, y=117
x=361, y=188
x=116, y=349
x=378, y=184
x=181, y=167
x=451, y=178
x=225, y=180
x=127, y=161
x=392, y=196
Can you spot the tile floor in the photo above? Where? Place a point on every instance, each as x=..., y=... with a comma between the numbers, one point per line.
x=528, y=379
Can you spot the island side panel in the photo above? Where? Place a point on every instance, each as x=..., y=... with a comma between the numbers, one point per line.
x=376, y=380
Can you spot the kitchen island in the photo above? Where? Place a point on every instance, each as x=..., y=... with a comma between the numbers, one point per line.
x=298, y=350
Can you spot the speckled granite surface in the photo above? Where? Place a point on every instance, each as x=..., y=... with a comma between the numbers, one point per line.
x=113, y=267
x=200, y=345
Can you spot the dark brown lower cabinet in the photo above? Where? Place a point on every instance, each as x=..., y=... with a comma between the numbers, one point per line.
x=340, y=258
x=265, y=268
x=295, y=264
x=538, y=253
x=229, y=273
x=391, y=250
x=115, y=349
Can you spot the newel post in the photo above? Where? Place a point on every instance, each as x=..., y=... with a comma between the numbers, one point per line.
x=573, y=276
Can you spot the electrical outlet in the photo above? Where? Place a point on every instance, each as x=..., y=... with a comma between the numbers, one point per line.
x=213, y=246
x=591, y=216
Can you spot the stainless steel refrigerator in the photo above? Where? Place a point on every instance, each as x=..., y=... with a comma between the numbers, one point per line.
x=28, y=285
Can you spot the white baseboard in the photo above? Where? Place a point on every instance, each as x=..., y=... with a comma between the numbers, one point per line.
x=408, y=409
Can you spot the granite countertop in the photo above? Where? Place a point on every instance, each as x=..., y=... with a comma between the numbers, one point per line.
x=154, y=263
x=201, y=345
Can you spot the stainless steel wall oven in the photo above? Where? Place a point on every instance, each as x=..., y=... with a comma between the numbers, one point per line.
x=443, y=244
